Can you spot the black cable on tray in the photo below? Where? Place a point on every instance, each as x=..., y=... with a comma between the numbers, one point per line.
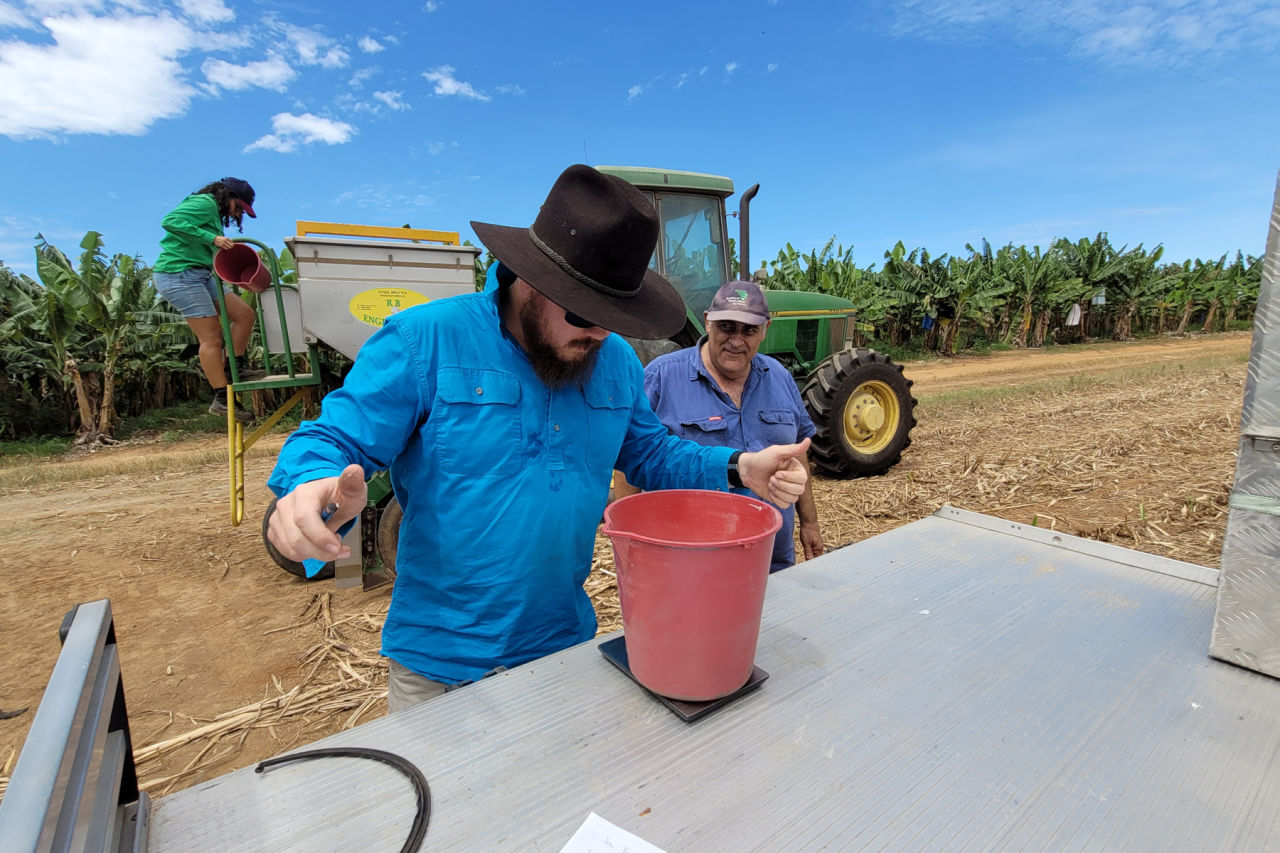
x=418, y=831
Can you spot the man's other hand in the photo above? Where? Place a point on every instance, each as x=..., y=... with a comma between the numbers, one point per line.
x=297, y=527
x=777, y=473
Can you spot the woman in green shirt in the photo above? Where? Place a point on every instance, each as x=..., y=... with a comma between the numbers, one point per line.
x=184, y=277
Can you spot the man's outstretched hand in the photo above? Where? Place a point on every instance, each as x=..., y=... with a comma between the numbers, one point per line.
x=776, y=473
x=297, y=527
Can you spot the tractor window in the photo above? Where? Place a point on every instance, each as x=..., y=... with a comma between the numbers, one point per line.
x=692, y=247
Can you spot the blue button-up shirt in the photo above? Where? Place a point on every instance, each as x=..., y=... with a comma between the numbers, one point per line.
x=687, y=399
x=502, y=480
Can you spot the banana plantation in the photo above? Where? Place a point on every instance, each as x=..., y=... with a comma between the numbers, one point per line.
x=1020, y=297
x=91, y=343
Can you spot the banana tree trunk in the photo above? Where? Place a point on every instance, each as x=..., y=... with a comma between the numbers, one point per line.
x=1213, y=315
x=1006, y=325
x=86, y=429
x=948, y=345
x=1024, y=327
x=107, y=411
x=1124, y=324
x=1186, y=317
x=1041, y=329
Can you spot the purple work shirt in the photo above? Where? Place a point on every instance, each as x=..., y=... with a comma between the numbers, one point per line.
x=691, y=404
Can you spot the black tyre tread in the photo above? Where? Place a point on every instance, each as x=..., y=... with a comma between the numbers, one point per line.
x=389, y=534
x=823, y=397
x=291, y=566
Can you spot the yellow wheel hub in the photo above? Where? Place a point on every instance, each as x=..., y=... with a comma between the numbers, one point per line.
x=871, y=417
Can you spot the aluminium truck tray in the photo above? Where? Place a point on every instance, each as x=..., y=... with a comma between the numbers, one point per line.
x=959, y=683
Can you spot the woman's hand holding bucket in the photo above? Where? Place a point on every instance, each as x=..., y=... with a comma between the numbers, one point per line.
x=776, y=473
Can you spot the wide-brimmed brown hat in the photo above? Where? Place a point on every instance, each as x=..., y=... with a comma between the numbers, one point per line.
x=588, y=251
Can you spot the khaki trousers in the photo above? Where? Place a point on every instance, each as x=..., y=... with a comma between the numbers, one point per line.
x=405, y=688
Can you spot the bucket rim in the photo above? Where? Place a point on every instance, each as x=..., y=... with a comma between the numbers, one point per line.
x=775, y=520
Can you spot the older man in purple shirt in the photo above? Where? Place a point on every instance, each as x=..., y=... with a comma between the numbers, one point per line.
x=722, y=393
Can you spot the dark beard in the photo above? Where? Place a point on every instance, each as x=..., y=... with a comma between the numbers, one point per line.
x=553, y=370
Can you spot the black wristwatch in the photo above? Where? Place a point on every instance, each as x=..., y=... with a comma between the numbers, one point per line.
x=735, y=477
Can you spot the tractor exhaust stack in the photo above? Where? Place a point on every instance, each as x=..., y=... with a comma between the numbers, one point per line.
x=744, y=232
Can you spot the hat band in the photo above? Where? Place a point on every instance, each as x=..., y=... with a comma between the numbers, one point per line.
x=585, y=279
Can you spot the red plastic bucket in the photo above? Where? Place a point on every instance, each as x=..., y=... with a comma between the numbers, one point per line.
x=241, y=265
x=692, y=569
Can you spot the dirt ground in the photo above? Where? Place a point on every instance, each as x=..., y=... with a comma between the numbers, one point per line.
x=1132, y=443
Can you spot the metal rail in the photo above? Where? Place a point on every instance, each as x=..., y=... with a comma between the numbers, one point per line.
x=75, y=787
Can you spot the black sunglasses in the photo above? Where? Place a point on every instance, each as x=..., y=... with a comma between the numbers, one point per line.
x=579, y=322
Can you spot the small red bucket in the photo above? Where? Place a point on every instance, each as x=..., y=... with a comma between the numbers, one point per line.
x=692, y=570
x=241, y=265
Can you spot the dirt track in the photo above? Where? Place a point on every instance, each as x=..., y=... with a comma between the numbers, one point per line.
x=194, y=597
x=1023, y=367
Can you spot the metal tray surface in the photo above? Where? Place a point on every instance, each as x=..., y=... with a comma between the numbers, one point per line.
x=960, y=683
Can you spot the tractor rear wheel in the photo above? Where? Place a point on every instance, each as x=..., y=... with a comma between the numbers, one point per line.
x=291, y=566
x=389, y=535
x=862, y=407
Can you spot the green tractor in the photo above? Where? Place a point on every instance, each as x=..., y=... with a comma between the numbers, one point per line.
x=859, y=401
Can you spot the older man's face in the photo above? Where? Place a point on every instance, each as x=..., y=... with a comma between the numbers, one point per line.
x=732, y=345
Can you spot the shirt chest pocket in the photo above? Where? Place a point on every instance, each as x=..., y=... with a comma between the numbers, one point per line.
x=709, y=432
x=777, y=427
x=476, y=420
x=608, y=416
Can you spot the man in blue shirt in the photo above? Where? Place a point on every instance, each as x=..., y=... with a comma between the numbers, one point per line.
x=722, y=393
x=500, y=416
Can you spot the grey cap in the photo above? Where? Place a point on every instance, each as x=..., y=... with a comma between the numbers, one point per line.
x=742, y=301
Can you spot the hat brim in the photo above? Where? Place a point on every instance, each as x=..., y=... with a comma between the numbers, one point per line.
x=247, y=208
x=737, y=316
x=655, y=312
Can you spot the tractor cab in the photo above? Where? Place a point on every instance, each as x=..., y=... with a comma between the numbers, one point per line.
x=692, y=251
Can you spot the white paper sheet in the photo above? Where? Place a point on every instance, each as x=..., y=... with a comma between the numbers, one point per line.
x=597, y=835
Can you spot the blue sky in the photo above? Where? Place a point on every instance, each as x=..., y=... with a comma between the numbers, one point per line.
x=934, y=122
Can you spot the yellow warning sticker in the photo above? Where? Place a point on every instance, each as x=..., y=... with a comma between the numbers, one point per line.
x=373, y=307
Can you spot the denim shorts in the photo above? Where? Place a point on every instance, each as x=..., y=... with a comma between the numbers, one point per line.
x=190, y=291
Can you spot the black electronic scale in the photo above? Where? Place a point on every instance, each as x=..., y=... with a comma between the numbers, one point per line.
x=615, y=651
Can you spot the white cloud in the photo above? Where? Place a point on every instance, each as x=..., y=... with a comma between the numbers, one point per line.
x=510, y=89
x=100, y=75
x=1124, y=33
x=12, y=17
x=771, y=67
x=357, y=79
x=206, y=11
x=640, y=88
x=370, y=45
x=403, y=200
x=431, y=6
x=316, y=48
x=447, y=84
x=289, y=131
x=434, y=148
x=393, y=100
x=272, y=73
x=56, y=8
x=730, y=67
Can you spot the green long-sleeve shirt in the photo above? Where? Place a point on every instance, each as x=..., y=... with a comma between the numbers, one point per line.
x=189, y=230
